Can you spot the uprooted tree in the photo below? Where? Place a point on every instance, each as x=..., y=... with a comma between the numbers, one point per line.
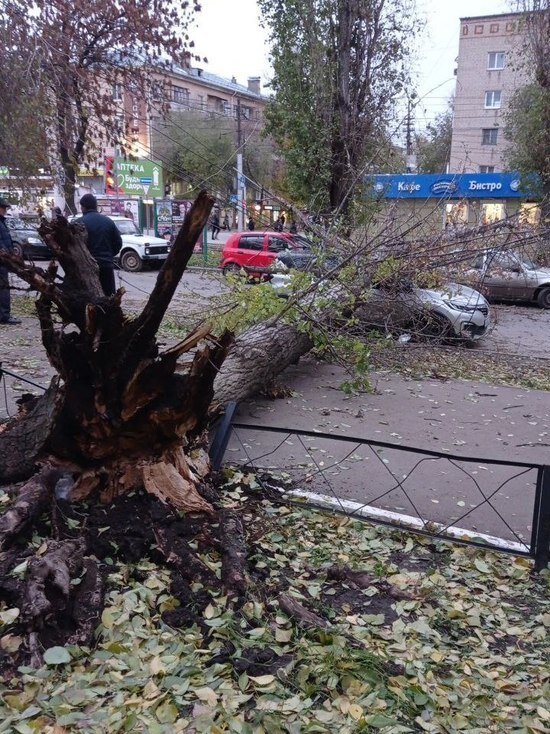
x=121, y=415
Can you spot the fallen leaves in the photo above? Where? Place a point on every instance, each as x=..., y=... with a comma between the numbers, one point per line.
x=459, y=643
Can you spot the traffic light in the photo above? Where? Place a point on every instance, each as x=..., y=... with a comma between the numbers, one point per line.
x=110, y=177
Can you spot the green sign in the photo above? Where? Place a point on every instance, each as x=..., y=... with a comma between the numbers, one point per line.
x=4, y=171
x=139, y=178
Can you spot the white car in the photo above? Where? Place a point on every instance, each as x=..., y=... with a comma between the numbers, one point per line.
x=138, y=249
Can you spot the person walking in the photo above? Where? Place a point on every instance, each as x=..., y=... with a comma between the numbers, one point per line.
x=6, y=245
x=104, y=241
x=215, y=225
x=251, y=224
x=226, y=224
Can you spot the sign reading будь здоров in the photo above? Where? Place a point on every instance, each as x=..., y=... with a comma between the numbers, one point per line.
x=139, y=177
x=449, y=186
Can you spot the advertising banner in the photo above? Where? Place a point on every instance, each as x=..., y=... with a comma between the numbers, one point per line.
x=135, y=178
x=448, y=186
x=120, y=207
x=170, y=216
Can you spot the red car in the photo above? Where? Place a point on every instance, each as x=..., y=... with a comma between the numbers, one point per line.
x=256, y=251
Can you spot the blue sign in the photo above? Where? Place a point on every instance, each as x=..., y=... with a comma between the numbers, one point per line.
x=448, y=186
x=146, y=180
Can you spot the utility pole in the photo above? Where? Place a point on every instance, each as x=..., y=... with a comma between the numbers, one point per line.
x=241, y=187
x=411, y=156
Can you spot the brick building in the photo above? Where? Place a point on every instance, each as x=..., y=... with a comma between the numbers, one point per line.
x=487, y=74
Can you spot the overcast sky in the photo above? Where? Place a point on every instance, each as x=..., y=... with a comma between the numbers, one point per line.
x=228, y=33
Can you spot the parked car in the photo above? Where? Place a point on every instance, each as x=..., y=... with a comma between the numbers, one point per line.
x=256, y=252
x=448, y=313
x=27, y=243
x=509, y=276
x=139, y=250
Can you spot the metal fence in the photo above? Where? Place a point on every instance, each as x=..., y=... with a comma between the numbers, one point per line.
x=490, y=503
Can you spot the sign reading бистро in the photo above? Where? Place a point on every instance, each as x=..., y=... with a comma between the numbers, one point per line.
x=448, y=186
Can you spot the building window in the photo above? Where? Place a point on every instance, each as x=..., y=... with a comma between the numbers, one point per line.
x=180, y=95
x=492, y=99
x=529, y=214
x=495, y=60
x=493, y=28
x=489, y=136
x=156, y=91
x=486, y=169
x=117, y=92
x=492, y=212
x=478, y=30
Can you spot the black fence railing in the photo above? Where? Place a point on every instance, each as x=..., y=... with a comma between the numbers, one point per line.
x=490, y=503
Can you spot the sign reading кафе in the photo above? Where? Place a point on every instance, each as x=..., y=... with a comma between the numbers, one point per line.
x=138, y=178
x=448, y=186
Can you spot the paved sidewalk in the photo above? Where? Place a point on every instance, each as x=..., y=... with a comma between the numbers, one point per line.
x=471, y=419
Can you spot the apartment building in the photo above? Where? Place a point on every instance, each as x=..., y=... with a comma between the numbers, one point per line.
x=488, y=72
x=187, y=89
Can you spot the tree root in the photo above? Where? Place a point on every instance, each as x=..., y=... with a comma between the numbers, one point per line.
x=177, y=554
x=32, y=500
x=233, y=544
x=48, y=583
x=88, y=604
x=302, y=615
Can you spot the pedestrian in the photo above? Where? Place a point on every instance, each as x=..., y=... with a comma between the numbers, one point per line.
x=251, y=225
x=215, y=223
x=282, y=220
x=6, y=245
x=104, y=241
x=278, y=226
x=293, y=229
x=226, y=224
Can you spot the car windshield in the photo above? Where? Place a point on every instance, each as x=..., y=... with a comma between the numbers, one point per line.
x=14, y=223
x=527, y=262
x=126, y=226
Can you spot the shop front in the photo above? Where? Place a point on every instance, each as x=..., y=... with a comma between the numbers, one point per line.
x=443, y=201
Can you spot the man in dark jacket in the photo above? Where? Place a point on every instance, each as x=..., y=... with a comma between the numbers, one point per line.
x=6, y=244
x=104, y=241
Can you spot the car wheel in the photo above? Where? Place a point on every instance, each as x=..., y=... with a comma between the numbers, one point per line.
x=18, y=249
x=131, y=261
x=231, y=269
x=543, y=298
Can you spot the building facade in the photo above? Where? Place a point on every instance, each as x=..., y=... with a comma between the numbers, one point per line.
x=488, y=72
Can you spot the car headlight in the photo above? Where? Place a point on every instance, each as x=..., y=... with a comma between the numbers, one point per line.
x=34, y=241
x=467, y=307
x=146, y=249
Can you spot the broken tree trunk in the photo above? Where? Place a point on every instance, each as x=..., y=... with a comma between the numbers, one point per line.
x=119, y=416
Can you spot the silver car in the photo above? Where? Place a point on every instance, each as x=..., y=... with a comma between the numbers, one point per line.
x=453, y=312
x=510, y=276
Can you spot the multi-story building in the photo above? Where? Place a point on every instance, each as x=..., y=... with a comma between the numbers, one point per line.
x=488, y=72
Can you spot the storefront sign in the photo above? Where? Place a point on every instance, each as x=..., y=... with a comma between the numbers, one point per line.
x=139, y=178
x=448, y=186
